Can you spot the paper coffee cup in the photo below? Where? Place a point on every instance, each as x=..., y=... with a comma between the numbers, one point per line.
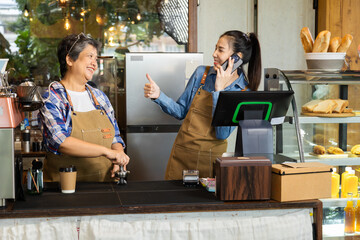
x=68, y=180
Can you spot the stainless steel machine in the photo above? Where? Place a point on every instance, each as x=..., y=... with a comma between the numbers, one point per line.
x=14, y=100
x=11, y=162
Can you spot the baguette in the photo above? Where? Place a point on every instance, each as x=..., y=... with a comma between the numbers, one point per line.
x=345, y=43
x=334, y=44
x=322, y=42
x=325, y=106
x=306, y=39
x=318, y=149
x=341, y=105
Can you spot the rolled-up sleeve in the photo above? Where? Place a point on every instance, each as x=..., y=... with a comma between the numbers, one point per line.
x=55, y=123
x=180, y=108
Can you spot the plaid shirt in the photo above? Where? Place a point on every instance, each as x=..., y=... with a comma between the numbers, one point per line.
x=55, y=116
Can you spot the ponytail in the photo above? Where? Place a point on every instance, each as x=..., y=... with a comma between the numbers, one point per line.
x=254, y=68
x=249, y=46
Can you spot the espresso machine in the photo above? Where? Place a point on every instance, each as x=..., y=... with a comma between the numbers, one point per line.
x=11, y=161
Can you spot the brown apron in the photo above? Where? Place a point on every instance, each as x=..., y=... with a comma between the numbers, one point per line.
x=94, y=127
x=196, y=145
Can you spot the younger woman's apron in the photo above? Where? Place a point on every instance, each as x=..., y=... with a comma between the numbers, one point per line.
x=196, y=145
x=93, y=127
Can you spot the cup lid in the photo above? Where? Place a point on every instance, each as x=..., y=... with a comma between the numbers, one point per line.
x=36, y=164
x=71, y=168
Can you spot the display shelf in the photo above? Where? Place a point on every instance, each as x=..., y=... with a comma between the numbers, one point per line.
x=349, y=161
x=322, y=77
x=336, y=202
x=336, y=231
x=306, y=83
x=307, y=119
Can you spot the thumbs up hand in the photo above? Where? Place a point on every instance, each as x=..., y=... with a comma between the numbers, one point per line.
x=151, y=89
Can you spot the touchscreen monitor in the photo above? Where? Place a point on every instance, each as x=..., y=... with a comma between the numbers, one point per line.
x=233, y=106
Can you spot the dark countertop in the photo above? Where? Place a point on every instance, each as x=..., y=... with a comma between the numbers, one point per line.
x=135, y=197
x=139, y=198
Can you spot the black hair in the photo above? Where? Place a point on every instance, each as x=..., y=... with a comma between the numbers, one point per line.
x=249, y=46
x=73, y=45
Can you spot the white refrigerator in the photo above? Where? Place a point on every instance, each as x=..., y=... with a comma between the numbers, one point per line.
x=150, y=133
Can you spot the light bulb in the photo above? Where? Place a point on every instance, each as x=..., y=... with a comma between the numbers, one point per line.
x=67, y=24
x=138, y=16
x=26, y=13
x=62, y=3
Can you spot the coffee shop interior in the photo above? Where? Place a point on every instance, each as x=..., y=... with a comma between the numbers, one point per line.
x=304, y=186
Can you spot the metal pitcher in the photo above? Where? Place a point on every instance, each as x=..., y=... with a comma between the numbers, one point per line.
x=29, y=96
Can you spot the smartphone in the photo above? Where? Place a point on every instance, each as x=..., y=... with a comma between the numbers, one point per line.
x=237, y=62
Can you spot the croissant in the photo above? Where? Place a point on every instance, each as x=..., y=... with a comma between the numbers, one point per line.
x=335, y=150
x=318, y=149
x=355, y=149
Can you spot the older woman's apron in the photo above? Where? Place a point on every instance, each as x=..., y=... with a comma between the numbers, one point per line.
x=196, y=145
x=93, y=127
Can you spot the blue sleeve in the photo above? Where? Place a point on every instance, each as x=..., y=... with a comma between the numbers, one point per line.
x=179, y=108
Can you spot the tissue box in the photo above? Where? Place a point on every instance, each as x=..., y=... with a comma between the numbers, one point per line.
x=300, y=181
x=243, y=178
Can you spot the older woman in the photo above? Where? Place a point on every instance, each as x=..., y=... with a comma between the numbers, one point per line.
x=78, y=123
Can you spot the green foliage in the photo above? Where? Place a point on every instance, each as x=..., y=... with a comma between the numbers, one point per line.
x=37, y=57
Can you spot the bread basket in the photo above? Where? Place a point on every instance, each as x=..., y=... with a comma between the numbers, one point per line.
x=327, y=61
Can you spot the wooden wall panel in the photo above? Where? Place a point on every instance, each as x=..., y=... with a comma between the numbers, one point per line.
x=341, y=17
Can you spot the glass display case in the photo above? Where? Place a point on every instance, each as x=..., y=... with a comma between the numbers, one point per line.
x=329, y=130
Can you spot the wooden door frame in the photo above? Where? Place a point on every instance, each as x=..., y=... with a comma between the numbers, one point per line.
x=192, y=34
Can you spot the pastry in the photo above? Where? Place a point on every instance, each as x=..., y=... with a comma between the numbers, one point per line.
x=325, y=106
x=318, y=149
x=341, y=105
x=309, y=107
x=356, y=149
x=335, y=150
x=348, y=110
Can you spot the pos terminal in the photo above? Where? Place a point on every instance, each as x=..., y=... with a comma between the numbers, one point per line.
x=254, y=113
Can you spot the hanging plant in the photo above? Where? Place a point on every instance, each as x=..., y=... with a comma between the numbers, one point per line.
x=48, y=13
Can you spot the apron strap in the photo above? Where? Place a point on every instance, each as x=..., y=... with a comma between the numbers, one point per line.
x=202, y=83
x=97, y=105
x=205, y=75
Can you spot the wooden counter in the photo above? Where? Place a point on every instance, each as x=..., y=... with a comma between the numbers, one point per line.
x=137, y=198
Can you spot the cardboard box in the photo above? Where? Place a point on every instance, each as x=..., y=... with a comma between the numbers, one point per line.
x=300, y=181
x=243, y=178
